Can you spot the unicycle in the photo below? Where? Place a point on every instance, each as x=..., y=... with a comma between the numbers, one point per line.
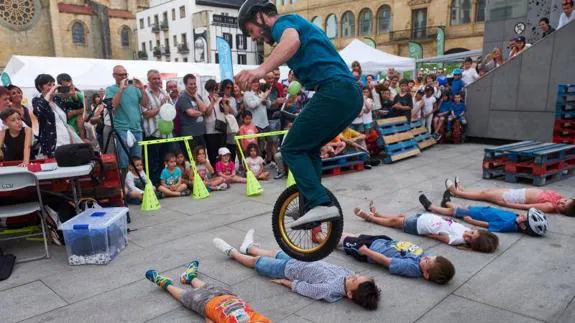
x=302, y=244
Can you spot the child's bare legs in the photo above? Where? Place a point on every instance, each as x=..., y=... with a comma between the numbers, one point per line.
x=264, y=176
x=391, y=221
x=136, y=195
x=169, y=193
x=246, y=260
x=447, y=211
x=237, y=179
x=493, y=195
x=176, y=292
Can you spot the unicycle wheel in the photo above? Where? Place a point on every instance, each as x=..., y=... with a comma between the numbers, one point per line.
x=303, y=244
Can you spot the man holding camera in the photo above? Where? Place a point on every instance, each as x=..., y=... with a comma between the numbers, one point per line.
x=72, y=103
x=127, y=95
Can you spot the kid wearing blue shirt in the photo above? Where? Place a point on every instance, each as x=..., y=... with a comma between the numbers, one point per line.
x=457, y=84
x=401, y=258
x=444, y=111
x=458, y=110
x=171, y=179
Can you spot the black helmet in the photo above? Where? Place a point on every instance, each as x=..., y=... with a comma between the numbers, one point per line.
x=250, y=8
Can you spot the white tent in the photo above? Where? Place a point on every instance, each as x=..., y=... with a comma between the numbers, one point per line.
x=374, y=61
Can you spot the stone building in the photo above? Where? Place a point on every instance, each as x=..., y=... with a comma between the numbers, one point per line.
x=391, y=25
x=72, y=28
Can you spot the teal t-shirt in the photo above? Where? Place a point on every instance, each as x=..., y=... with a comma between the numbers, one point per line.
x=171, y=178
x=316, y=61
x=128, y=115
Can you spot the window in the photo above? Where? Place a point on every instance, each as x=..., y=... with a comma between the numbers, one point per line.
x=156, y=20
x=480, y=11
x=365, y=22
x=419, y=23
x=167, y=43
x=228, y=38
x=143, y=46
x=158, y=43
x=331, y=26
x=125, y=36
x=184, y=38
x=150, y=44
x=141, y=23
x=175, y=40
x=173, y=14
x=78, y=33
x=165, y=16
x=317, y=21
x=185, y=59
x=241, y=42
x=348, y=24
x=217, y=58
x=460, y=12
x=183, y=12
x=149, y=21
x=242, y=59
x=175, y=59
x=384, y=19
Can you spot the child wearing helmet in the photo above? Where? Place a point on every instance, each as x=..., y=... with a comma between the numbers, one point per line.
x=457, y=84
x=318, y=66
x=534, y=223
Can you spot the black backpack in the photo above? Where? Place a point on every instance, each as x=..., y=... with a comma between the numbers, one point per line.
x=6, y=265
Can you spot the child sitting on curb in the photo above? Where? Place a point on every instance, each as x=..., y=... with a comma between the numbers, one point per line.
x=206, y=171
x=214, y=303
x=534, y=223
x=171, y=179
x=316, y=280
x=226, y=168
x=435, y=227
x=401, y=258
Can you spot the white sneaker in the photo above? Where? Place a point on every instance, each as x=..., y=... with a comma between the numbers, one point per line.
x=317, y=214
x=448, y=184
x=248, y=241
x=223, y=246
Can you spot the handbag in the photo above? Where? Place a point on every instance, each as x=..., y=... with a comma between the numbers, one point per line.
x=75, y=155
x=233, y=127
x=220, y=125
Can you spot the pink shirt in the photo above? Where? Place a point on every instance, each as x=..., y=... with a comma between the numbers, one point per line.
x=549, y=197
x=226, y=169
x=248, y=130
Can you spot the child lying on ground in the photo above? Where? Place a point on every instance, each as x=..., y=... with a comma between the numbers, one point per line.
x=171, y=179
x=317, y=280
x=435, y=227
x=401, y=258
x=522, y=199
x=214, y=303
x=534, y=223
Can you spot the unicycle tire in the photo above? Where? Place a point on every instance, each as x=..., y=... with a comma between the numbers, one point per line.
x=311, y=250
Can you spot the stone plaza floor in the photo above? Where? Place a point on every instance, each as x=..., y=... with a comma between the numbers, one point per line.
x=525, y=280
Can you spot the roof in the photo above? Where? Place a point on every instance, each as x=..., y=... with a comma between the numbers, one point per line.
x=233, y=4
x=87, y=10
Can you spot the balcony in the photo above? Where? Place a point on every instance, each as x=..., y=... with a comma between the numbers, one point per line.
x=427, y=33
x=142, y=55
x=183, y=48
x=157, y=52
x=166, y=51
x=165, y=26
x=156, y=28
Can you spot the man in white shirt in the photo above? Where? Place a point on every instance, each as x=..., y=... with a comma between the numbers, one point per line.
x=372, y=83
x=429, y=106
x=567, y=15
x=469, y=74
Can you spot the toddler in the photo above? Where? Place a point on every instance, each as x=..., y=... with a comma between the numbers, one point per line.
x=458, y=110
x=226, y=168
x=15, y=139
x=256, y=163
x=171, y=179
x=134, y=187
x=206, y=171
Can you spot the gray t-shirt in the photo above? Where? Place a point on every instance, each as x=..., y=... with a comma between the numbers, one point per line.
x=191, y=126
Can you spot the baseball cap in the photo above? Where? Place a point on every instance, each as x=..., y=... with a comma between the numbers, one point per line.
x=520, y=38
x=224, y=151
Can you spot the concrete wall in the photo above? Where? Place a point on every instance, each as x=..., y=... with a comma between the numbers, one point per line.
x=517, y=100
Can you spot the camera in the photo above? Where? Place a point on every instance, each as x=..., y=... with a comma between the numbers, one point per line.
x=63, y=89
x=130, y=82
x=264, y=87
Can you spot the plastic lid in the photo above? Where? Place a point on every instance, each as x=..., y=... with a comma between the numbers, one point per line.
x=95, y=218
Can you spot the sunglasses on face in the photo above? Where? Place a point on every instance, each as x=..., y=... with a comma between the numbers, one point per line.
x=121, y=74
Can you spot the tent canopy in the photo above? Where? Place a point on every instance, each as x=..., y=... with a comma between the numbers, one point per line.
x=373, y=60
x=452, y=57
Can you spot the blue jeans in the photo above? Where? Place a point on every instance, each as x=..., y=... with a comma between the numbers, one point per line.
x=134, y=151
x=273, y=267
x=410, y=224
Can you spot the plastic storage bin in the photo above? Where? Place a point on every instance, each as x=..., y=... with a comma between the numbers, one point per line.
x=96, y=236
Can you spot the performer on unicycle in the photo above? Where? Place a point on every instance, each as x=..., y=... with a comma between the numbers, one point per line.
x=336, y=102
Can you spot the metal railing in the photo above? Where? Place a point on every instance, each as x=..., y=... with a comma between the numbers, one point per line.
x=165, y=26
x=414, y=34
x=166, y=51
x=157, y=52
x=183, y=48
x=155, y=28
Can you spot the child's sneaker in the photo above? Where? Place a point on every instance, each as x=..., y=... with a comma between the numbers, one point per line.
x=425, y=202
x=448, y=184
x=187, y=192
x=248, y=241
x=159, y=195
x=457, y=182
x=223, y=246
x=446, y=198
x=190, y=273
x=156, y=278
x=223, y=187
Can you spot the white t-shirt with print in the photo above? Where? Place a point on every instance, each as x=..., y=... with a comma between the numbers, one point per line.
x=429, y=223
x=255, y=164
x=428, y=104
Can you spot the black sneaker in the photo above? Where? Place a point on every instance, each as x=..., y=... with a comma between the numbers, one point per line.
x=187, y=192
x=367, y=166
x=375, y=162
x=446, y=198
x=279, y=176
x=425, y=202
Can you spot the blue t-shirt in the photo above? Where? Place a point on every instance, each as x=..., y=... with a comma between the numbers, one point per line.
x=171, y=178
x=457, y=86
x=499, y=220
x=445, y=106
x=127, y=116
x=405, y=256
x=316, y=59
x=458, y=108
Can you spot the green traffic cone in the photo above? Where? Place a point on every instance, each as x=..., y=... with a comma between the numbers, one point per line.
x=253, y=187
x=150, y=201
x=290, y=180
x=199, y=191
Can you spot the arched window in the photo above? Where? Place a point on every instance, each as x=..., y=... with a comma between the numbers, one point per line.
x=365, y=22
x=480, y=11
x=348, y=24
x=384, y=19
x=317, y=21
x=331, y=26
x=78, y=33
x=460, y=12
x=125, y=36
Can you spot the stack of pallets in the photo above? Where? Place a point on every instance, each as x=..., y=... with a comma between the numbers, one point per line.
x=564, y=130
x=534, y=162
x=421, y=135
x=396, y=139
x=346, y=163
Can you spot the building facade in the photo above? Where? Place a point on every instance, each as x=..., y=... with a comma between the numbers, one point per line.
x=186, y=31
x=390, y=25
x=70, y=28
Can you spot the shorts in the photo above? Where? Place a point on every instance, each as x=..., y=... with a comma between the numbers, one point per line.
x=357, y=127
x=273, y=267
x=351, y=245
x=367, y=126
x=196, y=299
x=515, y=196
x=410, y=224
x=275, y=125
x=484, y=212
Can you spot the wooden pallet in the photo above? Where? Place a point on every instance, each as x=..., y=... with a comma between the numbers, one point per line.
x=501, y=151
x=399, y=155
x=424, y=140
x=564, y=124
x=347, y=159
x=539, y=169
x=540, y=180
x=341, y=170
x=564, y=140
x=398, y=137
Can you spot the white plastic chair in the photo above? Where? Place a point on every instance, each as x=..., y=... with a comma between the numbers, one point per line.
x=15, y=182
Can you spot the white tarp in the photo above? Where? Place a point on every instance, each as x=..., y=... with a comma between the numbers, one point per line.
x=374, y=61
